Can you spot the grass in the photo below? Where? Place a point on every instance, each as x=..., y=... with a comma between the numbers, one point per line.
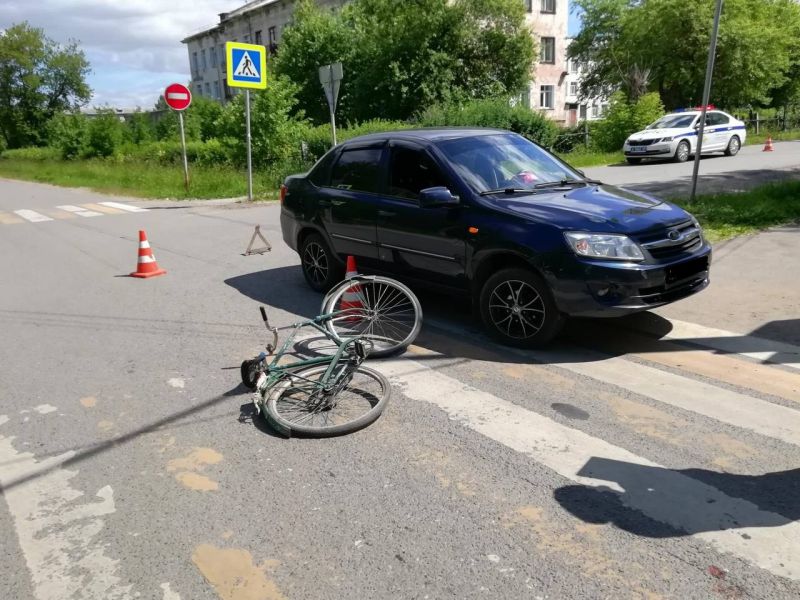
x=592, y=159
x=776, y=136
x=728, y=215
x=142, y=180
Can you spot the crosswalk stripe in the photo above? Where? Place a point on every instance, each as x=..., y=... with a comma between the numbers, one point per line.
x=103, y=209
x=662, y=494
x=757, y=348
x=125, y=207
x=32, y=215
x=80, y=211
x=731, y=369
x=9, y=219
x=739, y=410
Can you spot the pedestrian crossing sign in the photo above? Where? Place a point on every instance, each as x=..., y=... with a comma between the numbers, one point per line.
x=246, y=65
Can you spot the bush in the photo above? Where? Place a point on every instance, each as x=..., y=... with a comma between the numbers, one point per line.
x=104, y=133
x=319, y=139
x=67, y=133
x=32, y=153
x=624, y=119
x=493, y=112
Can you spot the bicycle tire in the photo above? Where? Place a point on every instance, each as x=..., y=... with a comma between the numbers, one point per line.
x=390, y=315
x=297, y=415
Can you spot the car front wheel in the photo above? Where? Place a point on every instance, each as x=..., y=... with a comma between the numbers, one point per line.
x=633, y=161
x=320, y=268
x=733, y=146
x=518, y=309
x=682, y=152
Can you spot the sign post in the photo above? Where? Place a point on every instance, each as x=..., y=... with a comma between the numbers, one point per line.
x=247, y=68
x=178, y=97
x=330, y=76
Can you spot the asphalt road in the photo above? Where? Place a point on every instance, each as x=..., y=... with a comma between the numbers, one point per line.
x=654, y=457
x=718, y=173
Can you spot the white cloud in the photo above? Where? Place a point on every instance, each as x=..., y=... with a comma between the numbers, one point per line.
x=134, y=46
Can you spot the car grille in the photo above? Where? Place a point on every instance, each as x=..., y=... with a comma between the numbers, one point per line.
x=643, y=142
x=658, y=243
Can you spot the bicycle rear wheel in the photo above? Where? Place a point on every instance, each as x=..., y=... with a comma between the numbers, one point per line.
x=379, y=309
x=298, y=405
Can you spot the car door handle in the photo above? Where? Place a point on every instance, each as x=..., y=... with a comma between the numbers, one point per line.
x=386, y=213
x=325, y=203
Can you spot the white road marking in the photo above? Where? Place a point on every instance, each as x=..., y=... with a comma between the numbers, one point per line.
x=57, y=531
x=79, y=210
x=177, y=382
x=662, y=494
x=121, y=206
x=757, y=348
x=168, y=593
x=44, y=409
x=32, y=215
x=739, y=410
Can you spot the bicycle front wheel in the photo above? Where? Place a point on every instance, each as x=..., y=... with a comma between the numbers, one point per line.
x=298, y=404
x=379, y=309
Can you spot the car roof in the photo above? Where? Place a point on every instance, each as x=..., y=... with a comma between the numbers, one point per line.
x=427, y=134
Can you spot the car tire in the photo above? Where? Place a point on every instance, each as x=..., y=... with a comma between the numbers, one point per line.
x=320, y=266
x=682, y=152
x=734, y=145
x=517, y=308
x=633, y=161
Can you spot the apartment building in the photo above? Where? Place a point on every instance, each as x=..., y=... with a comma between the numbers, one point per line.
x=257, y=22
x=262, y=21
x=577, y=107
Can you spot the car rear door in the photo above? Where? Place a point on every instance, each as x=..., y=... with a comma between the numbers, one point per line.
x=349, y=204
x=424, y=243
x=717, y=126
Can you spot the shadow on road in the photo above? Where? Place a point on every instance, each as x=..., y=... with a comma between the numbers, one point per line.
x=713, y=183
x=450, y=328
x=658, y=502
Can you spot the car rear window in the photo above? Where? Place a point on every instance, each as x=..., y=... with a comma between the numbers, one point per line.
x=357, y=170
x=320, y=173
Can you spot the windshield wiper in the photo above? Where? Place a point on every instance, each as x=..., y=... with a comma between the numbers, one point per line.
x=561, y=183
x=507, y=191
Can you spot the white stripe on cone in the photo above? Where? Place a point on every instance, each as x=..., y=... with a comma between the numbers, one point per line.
x=147, y=259
x=144, y=244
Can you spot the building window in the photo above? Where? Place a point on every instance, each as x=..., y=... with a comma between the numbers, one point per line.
x=582, y=112
x=595, y=111
x=529, y=5
x=546, y=99
x=258, y=37
x=548, y=6
x=574, y=66
x=212, y=53
x=194, y=63
x=273, y=45
x=222, y=56
x=215, y=89
x=548, y=50
x=203, y=59
x=573, y=88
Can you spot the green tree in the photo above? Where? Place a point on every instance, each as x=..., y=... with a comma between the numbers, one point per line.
x=104, y=133
x=664, y=44
x=38, y=79
x=398, y=63
x=625, y=117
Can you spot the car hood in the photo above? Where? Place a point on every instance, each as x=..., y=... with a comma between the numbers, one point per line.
x=649, y=134
x=600, y=208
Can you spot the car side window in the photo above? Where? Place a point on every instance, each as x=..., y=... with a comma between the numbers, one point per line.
x=717, y=119
x=411, y=171
x=320, y=173
x=357, y=170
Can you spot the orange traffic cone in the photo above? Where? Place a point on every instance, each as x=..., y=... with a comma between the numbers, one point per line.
x=147, y=265
x=768, y=147
x=351, y=301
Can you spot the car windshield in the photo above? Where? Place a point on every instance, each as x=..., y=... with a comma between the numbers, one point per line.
x=673, y=121
x=504, y=161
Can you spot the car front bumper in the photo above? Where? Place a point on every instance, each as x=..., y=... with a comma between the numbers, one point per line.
x=606, y=289
x=659, y=149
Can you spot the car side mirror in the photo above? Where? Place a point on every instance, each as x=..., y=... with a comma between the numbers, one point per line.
x=437, y=196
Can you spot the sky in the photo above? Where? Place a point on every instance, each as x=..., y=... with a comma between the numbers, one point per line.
x=134, y=46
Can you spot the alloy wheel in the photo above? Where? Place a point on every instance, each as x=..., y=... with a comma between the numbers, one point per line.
x=315, y=263
x=516, y=309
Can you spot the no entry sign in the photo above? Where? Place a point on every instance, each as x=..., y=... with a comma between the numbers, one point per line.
x=178, y=96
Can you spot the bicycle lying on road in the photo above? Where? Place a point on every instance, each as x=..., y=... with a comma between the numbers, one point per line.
x=335, y=394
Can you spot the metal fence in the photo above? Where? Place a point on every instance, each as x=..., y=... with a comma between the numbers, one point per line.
x=761, y=125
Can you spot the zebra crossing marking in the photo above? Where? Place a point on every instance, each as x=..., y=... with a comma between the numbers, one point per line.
x=79, y=210
x=67, y=211
x=125, y=207
x=32, y=215
x=729, y=524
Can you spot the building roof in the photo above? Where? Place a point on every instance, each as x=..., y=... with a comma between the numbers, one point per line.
x=223, y=17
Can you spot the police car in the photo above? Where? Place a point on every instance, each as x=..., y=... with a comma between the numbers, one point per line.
x=674, y=136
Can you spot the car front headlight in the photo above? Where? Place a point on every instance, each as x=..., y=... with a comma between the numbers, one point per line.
x=604, y=245
x=666, y=139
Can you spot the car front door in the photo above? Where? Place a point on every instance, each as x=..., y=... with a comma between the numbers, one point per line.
x=424, y=243
x=349, y=204
x=719, y=124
